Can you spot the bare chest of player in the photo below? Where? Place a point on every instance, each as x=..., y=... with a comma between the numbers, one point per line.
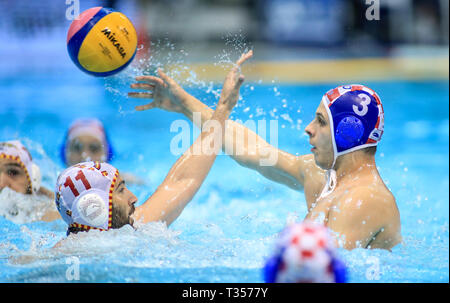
x=321, y=209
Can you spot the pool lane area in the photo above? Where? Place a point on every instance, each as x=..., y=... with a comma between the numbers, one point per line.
x=228, y=229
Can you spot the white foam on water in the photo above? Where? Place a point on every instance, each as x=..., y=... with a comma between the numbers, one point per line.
x=20, y=208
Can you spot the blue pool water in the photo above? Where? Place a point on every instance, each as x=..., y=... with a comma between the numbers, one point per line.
x=227, y=231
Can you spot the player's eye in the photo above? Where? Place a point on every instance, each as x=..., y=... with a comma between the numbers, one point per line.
x=321, y=121
x=13, y=172
x=95, y=148
x=76, y=147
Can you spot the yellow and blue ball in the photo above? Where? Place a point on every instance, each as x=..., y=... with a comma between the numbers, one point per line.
x=101, y=42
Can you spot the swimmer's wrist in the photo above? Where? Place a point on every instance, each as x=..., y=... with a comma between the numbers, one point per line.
x=225, y=107
x=229, y=101
x=192, y=105
x=222, y=107
x=184, y=98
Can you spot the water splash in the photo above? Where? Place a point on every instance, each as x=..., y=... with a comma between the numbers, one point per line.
x=164, y=54
x=20, y=208
x=49, y=169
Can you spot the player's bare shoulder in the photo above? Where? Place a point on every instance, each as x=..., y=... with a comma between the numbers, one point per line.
x=375, y=206
x=371, y=194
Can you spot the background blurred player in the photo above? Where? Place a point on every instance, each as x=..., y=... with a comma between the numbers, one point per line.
x=19, y=173
x=87, y=140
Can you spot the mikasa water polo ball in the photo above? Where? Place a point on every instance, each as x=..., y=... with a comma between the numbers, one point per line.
x=101, y=42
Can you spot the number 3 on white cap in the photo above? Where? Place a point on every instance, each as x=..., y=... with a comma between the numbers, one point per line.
x=365, y=101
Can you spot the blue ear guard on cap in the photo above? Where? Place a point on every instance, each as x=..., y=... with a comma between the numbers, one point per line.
x=271, y=268
x=110, y=154
x=349, y=132
x=340, y=271
x=62, y=150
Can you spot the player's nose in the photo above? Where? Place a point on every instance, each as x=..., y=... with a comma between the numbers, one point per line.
x=309, y=130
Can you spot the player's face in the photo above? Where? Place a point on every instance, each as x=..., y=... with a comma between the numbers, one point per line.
x=85, y=148
x=319, y=133
x=123, y=204
x=12, y=175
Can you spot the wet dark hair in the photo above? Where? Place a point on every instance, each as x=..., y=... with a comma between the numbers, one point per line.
x=370, y=150
x=119, y=218
x=74, y=230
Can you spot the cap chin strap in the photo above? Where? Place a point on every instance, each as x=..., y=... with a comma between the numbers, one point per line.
x=330, y=185
x=331, y=173
x=35, y=178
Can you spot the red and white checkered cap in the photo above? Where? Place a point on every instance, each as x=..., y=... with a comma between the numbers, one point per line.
x=306, y=254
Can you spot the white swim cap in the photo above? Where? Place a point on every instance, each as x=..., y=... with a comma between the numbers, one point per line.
x=14, y=150
x=91, y=127
x=84, y=195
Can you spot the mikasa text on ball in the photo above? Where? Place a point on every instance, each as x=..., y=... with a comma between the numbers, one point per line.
x=101, y=42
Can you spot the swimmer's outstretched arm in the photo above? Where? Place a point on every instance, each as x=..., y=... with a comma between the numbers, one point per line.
x=188, y=173
x=248, y=149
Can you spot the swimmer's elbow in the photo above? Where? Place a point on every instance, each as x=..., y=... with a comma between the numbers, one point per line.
x=185, y=185
x=281, y=177
x=246, y=161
